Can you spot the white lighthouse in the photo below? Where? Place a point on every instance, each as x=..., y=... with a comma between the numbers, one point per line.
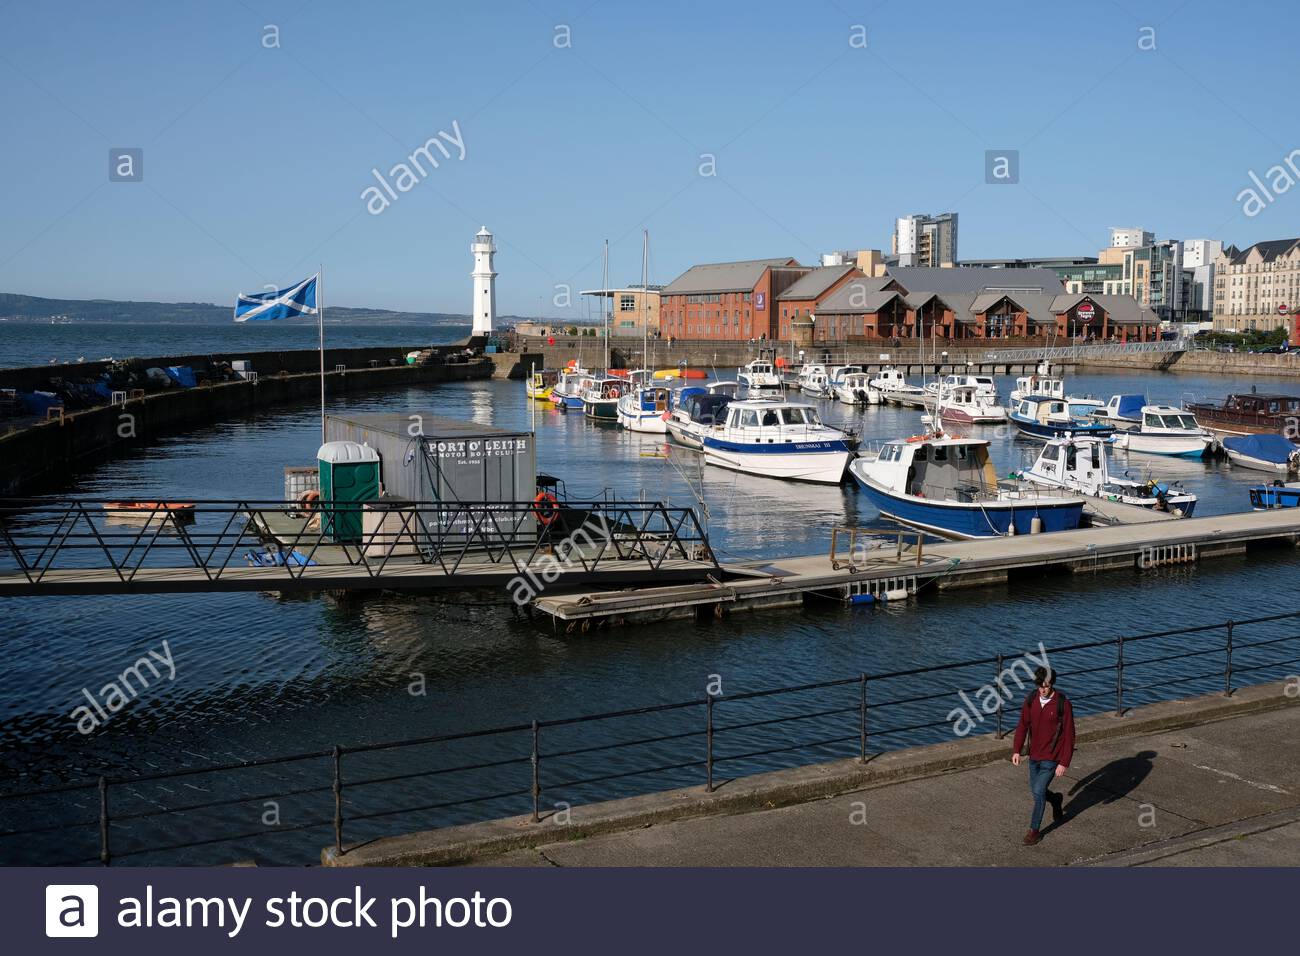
x=485, y=283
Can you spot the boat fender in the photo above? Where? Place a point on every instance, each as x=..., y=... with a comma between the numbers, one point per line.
x=546, y=507
x=1036, y=524
x=897, y=594
x=862, y=599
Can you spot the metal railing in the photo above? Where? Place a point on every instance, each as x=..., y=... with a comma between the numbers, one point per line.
x=1081, y=351
x=292, y=540
x=349, y=794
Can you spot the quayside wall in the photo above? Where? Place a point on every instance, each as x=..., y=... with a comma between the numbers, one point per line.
x=42, y=454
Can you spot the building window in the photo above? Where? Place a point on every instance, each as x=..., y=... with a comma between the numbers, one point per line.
x=626, y=303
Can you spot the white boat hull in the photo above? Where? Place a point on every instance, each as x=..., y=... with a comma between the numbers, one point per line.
x=1259, y=464
x=1181, y=446
x=821, y=467
x=651, y=423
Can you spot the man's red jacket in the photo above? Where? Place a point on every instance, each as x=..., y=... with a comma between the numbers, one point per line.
x=1041, y=723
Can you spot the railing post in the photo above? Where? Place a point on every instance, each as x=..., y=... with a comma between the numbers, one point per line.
x=1227, y=667
x=862, y=717
x=1119, y=677
x=999, y=714
x=338, y=799
x=105, y=857
x=708, y=742
x=537, y=775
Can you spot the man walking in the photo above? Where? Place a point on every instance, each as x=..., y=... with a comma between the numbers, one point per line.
x=1048, y=720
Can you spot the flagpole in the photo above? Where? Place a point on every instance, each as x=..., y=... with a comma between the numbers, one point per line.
x=320, y=329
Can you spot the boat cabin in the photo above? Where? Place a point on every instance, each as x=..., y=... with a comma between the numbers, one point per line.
x=1257, y=404
x=769, y=422
x=1166, y=418
x=945, y=469
x=1045, y=410
x=1040, y=385
x=705, y=408
x=983, y=383
x=1078, y=461
x=654, y=398
x=1123, y=408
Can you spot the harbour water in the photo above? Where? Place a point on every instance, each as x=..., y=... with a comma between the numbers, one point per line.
x=259, y=675
x=25, y=344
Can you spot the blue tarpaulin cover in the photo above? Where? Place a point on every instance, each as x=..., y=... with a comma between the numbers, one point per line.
x=182, y=375
x=1274, y=448
x=35, y=403
x=1130, y=406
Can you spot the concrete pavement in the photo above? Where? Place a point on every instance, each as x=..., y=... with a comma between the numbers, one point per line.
x=1223, y=793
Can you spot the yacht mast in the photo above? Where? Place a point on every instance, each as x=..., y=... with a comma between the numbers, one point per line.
x=604, y=285
x=645, y=298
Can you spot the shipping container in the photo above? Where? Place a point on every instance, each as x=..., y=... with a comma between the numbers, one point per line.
x=427, y=458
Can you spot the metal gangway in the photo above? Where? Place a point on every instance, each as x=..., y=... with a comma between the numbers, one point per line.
x=1081, y=351
x=95, y=546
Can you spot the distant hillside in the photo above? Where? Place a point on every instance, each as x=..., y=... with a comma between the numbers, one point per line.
x=32, y=308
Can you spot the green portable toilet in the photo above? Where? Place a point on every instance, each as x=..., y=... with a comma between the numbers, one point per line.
x=349, y=475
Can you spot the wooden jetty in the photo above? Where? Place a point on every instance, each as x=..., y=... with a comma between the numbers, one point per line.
x=897, y=567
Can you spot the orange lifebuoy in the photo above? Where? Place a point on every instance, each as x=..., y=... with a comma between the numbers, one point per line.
x=308, y=500
x=546, y=507
x=917, y=438
x=613, y=392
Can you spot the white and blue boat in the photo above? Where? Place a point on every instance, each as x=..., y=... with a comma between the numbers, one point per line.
x=1122, y=410
x=948, y=486
x=568, y=388
x=1165, y=430
x=1277, y=495
x=1082, y=465
x=1045, y=416
x=1263, y=453
x=778, y=440
x=645, y=408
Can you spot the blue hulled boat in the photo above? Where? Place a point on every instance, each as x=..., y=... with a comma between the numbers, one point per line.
x=1277, y=495
x=1043, y=416
x=948, y=486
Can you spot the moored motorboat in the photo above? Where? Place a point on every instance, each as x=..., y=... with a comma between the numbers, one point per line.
x=540, y=383
x=645, y=408
x=1042, y=417
x=695, y=410
x=759, y=376
x=1277, y=495
x=600, y=398
x=1166, y=430
x=1122, y=411
x=1263, y=453
x=778, y=440
x=948, y=486
x=1251, y=413
x=968, y=405
x=855, y=389
x=569, y=386
x=1082, y=465
x=895, y=390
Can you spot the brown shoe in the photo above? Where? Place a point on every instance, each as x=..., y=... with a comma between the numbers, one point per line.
x=1058, y=806
x=1032, y=837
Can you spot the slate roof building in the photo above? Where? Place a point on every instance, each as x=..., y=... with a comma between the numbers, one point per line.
x=727, y=300
x=1257, y=288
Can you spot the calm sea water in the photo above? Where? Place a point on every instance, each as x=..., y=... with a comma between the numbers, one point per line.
x=259, y=675
x=28, y=343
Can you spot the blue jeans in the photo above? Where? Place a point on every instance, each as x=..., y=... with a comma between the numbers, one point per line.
x=1040, y=775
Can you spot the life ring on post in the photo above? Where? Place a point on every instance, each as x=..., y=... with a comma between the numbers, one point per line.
x=309, y=500
x=546, y=507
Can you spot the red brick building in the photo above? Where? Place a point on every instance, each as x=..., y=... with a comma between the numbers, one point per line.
x=806, y=295
x=727, y=300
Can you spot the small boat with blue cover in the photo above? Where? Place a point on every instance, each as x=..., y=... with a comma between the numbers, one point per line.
x=1263, y=453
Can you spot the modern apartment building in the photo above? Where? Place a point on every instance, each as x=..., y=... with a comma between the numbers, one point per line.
x=1257, y=288
x=1125, y=238
x=1199, y=258
x=924, y=240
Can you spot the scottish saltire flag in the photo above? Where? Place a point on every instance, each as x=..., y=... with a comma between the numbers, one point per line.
x=282, y=304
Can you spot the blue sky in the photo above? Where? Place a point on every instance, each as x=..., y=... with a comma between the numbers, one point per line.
x=256, y=158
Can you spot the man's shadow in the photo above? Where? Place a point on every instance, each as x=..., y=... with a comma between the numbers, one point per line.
x=1106, y=784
